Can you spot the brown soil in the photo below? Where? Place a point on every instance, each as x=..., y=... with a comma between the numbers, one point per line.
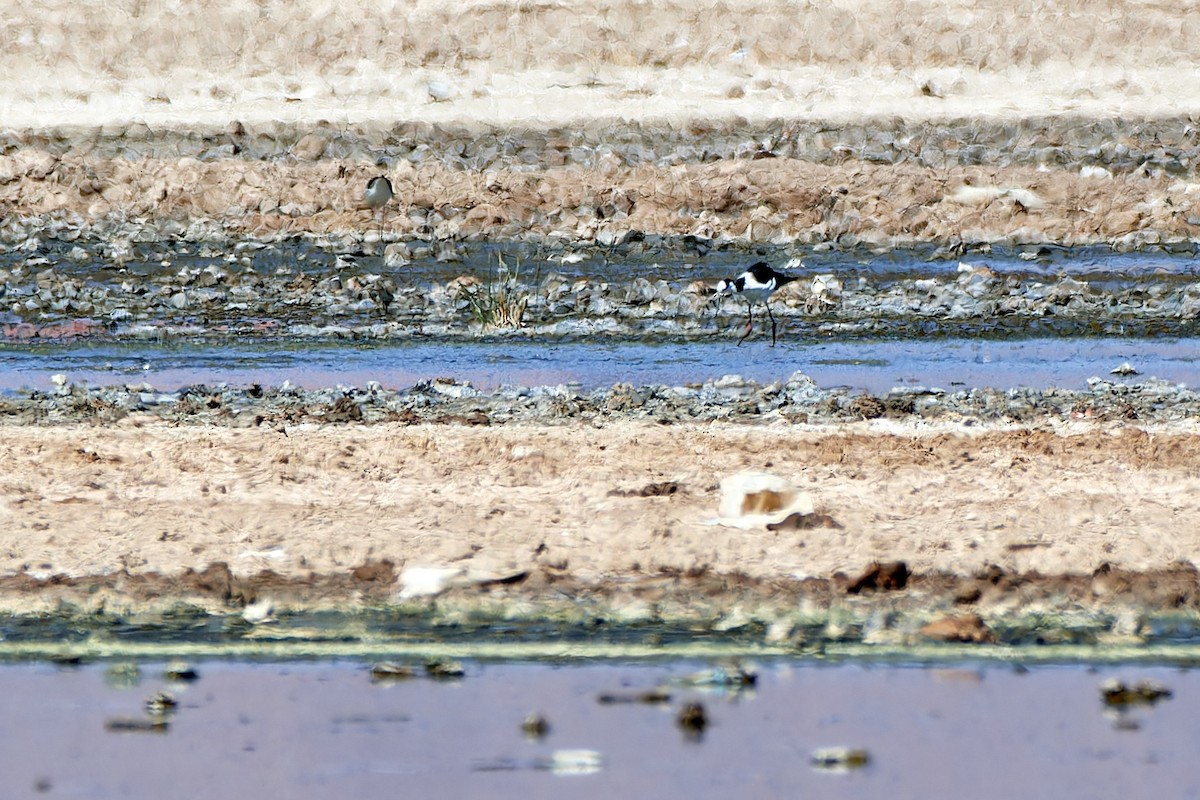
x=758, y=200
x=330, y=515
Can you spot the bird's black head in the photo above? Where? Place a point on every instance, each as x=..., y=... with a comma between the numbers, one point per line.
x=371, y=184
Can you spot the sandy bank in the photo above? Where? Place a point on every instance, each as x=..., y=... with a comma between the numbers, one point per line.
x=568, y=61
x=324, y=500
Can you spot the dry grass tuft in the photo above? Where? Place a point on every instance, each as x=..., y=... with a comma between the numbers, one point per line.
x=500, y=301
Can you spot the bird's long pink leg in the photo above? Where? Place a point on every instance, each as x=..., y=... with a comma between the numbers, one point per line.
x=749, y=323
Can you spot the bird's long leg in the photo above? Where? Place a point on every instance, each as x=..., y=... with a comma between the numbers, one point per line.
x=749, y=322
x=772, y=316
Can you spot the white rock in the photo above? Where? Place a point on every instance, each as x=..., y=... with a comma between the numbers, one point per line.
x=1092, y=171
x=981, y=195
x=756, y=499
x=455, y=390
x=1026, y=198
x=259, y=611
x=395, y=255
x=426, y=581
x=729, y=382
x=974, y=195
x=439, y=91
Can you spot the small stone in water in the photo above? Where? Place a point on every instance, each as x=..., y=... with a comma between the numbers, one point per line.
x=131, y=725
x=838, y=759
x=535, y=726
x=180, y=671
x=444, y=668
x=389, y=671
x=161, y=703
x=652, y=697
x=692, y=719
x=1118, y=693
x=736, y=676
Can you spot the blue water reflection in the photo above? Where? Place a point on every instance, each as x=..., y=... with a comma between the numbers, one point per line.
x=870, y=365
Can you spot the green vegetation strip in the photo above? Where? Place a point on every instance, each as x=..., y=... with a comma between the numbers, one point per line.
x=300, y=649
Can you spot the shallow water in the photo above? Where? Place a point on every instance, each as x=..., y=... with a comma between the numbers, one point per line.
x=316, y=730
x=678, y=259
x=874, y=366
x=1029, y=354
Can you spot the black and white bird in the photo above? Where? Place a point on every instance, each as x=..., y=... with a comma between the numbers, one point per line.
x=755, y=285
x=377, y=195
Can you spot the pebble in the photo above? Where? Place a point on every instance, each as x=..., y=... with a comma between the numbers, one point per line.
x=1117, y=693
x=692, y=719
x=838, y=759
x=180, y=671
x=535, y=726
x=389, y=671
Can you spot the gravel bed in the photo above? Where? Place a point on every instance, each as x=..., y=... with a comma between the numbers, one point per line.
x=306, y=291
x=730, y=398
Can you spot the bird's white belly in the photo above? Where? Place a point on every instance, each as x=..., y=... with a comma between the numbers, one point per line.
x=756, y=295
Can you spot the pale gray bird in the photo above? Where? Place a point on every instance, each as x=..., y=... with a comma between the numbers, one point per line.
x=377, y=195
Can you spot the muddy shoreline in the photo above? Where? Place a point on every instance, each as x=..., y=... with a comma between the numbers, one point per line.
x=1109, y=615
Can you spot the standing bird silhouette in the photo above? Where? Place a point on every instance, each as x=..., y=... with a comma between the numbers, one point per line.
x=755, y=285
x=377, y=195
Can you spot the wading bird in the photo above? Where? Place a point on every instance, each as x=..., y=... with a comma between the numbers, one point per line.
x=377, y=195
x=755, y=285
